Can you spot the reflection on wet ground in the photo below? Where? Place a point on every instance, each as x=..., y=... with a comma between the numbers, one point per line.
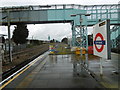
x=63, y=71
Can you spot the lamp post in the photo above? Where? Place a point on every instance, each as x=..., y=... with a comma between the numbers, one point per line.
x=81, y=34
x=9, y=40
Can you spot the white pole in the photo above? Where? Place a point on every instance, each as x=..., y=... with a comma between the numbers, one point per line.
x=87, y=63
x=101, y=67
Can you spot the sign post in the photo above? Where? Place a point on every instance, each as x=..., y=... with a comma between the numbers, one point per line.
x=101, y=67
x=101, y=41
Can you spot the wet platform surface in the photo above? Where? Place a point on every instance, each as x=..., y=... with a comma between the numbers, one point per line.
x=55, y=71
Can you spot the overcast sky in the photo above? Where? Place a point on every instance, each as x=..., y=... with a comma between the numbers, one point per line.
x=56, y=31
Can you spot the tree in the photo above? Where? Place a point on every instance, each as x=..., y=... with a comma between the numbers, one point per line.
x=20, y=34
x=65, y=40
x=35, y=42
x=52, y=41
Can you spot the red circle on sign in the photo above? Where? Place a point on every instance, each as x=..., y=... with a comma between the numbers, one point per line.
x=99, y=35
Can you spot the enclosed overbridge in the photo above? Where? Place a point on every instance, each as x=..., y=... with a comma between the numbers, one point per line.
x=60, y=13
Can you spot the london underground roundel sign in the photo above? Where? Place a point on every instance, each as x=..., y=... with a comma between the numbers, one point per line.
x=101, y=39
x=99, y=42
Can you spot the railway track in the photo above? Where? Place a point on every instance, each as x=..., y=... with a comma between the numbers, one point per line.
x=17, y=67
x=21, y=52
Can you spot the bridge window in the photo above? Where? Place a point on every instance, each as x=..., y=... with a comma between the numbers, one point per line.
x=104, y=15
x=68, y=6
x=94, y=11
x=89, y=17
x=112, y=11
x=93, y=16
x=103, y=11
x=99, y=16
x=59, y=7
x=109, y=16
x=89, y=11
x=114, y=15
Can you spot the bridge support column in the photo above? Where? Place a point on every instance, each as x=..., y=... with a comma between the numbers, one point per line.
x=81, y=40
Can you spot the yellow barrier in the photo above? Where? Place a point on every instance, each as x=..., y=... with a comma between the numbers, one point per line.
x=52, y=52
x=78, y=51
x=51, y=49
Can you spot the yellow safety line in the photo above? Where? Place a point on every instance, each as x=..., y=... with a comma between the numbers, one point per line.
x=26, y=78
x=16, y=76
x=107, y=85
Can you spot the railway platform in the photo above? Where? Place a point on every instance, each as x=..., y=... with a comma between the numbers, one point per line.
x=64, y=71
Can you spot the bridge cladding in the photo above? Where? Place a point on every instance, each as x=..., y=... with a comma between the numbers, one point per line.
x=43, y=14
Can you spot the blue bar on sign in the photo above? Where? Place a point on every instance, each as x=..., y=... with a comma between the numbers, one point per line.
x=99, y=42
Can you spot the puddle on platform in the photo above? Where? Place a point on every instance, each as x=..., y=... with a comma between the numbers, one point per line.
x=70, y=62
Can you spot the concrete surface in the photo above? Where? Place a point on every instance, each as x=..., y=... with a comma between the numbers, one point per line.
x=57, y=71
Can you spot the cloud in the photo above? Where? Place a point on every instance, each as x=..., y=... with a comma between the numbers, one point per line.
x=56, y=31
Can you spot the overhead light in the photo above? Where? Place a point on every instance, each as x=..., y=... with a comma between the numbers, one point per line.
x=73, y=15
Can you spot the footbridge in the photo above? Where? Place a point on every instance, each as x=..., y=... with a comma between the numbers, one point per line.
x=41, y=14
